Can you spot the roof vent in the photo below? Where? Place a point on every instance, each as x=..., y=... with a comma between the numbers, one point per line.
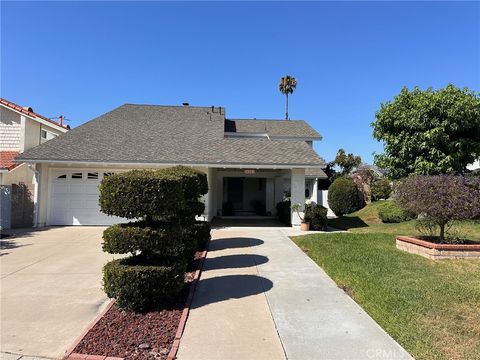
x=185, y=104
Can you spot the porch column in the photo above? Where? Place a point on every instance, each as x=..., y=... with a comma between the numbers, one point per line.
x=297, y=188
x=315, y=191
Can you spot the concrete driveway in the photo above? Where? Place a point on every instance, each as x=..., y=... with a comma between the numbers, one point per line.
x=50, y=288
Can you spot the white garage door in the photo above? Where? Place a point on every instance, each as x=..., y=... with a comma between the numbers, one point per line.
x=74, y=198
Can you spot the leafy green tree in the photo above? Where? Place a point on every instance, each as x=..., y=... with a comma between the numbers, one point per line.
x=346, y=162
x=428, y=132
x=287, y=85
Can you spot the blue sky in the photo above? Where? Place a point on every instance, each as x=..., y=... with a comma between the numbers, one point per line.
x=84, y=59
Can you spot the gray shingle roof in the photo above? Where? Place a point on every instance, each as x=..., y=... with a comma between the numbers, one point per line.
x=315, y=173
x=284, y=128
x=167, y=134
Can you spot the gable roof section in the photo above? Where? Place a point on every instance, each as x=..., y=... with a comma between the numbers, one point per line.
x=274, y=128
x=155, y=134
x=29, y=112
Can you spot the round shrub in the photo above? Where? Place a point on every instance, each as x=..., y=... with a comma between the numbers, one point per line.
x=381, y=189
x=390, y=212
x=139, y=284
x=344, y=197
x=163, y=239
x=316, y=215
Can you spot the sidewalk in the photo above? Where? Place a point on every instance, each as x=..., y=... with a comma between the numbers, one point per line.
x=261, y=297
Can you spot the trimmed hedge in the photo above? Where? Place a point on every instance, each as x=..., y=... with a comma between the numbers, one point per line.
x=316, y=215
x=158, y=193
x=164, y=239
x=284, y=212
x=344, y=197
x=138, y=284
x=390, y=212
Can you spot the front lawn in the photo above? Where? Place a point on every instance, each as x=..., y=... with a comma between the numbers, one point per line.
x=366, y=220
x=430, y=307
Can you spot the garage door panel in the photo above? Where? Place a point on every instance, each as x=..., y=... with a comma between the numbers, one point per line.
x=77, y=189
x=75, y=201
x=61, y=188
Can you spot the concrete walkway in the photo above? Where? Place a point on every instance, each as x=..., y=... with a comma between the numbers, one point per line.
x=51, y=289
x=261, y=297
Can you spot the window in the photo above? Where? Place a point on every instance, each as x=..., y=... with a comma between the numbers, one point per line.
x=64, y=176
x=107, y=174
x=43, y=134
x=77, y=176
x=92, y=175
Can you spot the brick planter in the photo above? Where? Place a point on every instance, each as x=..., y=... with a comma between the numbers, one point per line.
x=438, y=251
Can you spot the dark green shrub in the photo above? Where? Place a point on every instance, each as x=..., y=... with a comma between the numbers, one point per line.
x=139, y=284
x=316, y=215
x=344, y=197
x=139, y=193
x=159, y=194
x=202, y=233
x=381, y=188
x=284, y=212
x=390, y=212
x=162, y=239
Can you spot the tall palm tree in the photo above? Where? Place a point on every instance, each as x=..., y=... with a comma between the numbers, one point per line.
x=287, y=86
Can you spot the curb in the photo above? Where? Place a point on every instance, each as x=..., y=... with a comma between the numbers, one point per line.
x=70, y=355
x=172, y=355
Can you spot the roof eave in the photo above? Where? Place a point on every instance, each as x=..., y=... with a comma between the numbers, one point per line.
x=169, y=163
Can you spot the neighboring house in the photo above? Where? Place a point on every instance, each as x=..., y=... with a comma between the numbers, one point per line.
x=20, y=129
x=374, y=169
x=250, y=164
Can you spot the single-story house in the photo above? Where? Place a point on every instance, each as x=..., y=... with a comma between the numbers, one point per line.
x=250, y=164
x=20, y=129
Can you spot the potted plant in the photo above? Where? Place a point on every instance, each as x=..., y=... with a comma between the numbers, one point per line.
x=305, y=223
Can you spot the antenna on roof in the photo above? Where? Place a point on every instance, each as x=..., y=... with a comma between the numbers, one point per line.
x=60, y=119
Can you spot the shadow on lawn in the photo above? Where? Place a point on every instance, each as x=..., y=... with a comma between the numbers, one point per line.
x=347, y=222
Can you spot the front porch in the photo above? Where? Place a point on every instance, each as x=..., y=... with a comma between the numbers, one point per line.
x=238, y=193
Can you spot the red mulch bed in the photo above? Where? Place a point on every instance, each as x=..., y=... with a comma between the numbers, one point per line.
x=139, y=336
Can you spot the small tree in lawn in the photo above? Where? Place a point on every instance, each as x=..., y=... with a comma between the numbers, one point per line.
x=161, y=239
x=440, y=198
x=428, y=132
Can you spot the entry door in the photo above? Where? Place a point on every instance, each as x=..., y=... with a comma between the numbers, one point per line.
x=235, y=192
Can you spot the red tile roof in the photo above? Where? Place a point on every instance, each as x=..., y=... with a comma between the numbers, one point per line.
x=6, y=158
x=27, y=111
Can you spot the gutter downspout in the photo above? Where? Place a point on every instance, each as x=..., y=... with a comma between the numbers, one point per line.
x=35, y=195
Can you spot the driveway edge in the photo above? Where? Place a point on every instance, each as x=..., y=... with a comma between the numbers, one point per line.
x=70, y=355
x=186, y=310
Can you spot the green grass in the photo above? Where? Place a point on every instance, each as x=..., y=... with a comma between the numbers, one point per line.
x=366, y=220
x=432, y=308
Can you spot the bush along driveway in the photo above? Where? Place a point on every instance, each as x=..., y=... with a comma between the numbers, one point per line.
x=429, y=307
